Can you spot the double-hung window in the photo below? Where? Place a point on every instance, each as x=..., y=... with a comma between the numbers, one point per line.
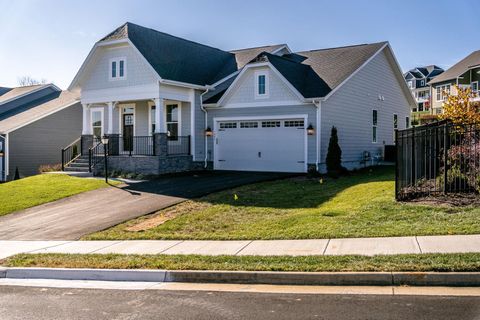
x=118, y=69
x=442, y=92
x=152, y=118
x=374, y=125
x=172, y=121
x=97, y=122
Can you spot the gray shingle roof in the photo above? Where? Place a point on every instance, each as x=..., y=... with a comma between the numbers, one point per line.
x=60, y=100
x=459, y=68
x=244, y=56
x=4, y=90
x=336, y=64
x=16, y=92
x=175, y=58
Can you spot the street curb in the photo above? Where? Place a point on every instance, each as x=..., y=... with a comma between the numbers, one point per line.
x=451, y=279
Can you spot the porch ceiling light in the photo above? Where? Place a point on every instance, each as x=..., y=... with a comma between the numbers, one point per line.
x=208, y=132
x=310, y=130
x=105, y=139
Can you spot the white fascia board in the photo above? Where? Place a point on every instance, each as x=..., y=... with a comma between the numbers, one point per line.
x=281, y=48
x=226, y=78
x=256, y=65
x=42, y=116
x=403, y=83
x=131, y=93
x=355, y=72
x=50, y=85
x=186, y=85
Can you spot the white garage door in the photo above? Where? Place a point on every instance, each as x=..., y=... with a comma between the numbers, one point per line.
x=261, y=145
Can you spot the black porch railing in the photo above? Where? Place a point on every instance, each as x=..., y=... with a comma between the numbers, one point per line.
x=95, y=154
x=71, y=152
x=131, y=145
x=179, y=145
x=438, y=158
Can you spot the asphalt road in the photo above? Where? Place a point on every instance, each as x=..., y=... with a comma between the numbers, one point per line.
x=51, y=303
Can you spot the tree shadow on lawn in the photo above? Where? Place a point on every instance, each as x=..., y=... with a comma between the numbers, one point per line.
x=267, y=190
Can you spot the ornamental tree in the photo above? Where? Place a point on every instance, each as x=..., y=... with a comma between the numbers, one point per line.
x=459, y=108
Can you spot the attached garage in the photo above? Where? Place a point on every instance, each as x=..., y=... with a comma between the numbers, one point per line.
x=277, y=144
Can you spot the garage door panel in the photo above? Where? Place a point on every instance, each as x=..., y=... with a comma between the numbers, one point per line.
x=261, y=149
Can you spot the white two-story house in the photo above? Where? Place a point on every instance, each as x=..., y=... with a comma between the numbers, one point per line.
x=168, y=104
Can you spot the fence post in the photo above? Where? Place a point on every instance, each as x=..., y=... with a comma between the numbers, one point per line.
x=396, y=164
x=189, y=145
x=89, y=160
x=412, y=173
x=445, y=159
x=63, y=159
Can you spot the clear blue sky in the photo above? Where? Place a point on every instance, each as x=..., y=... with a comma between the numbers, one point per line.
x=50, y=39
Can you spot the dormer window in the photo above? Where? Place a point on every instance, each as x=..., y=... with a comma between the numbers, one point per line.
x=261, y=84
x=118, y=69
x=422, y=82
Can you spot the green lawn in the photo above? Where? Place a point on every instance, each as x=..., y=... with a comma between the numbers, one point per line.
x=28, y=192
x=359, y=205
x=466, y=262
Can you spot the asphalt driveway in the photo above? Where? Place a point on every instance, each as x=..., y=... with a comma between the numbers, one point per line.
x=73, y=217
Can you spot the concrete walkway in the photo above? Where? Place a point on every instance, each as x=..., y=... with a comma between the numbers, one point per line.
x=357, y=246
x=71, y=218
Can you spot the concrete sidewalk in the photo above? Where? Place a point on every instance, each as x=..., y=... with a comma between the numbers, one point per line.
x=357, y=246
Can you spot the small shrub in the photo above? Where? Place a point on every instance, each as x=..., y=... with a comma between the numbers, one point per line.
x=334, y=155
x=50, y=168
x=17, y=174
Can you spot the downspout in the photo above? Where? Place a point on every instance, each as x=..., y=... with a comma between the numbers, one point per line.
x=206, y=126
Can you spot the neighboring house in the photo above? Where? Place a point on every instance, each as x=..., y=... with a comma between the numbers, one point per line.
x=169, y=104
x=35, y=122
x=417, y=80
x=465, y=73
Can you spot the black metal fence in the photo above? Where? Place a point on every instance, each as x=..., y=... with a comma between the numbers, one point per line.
x=95, y=154
x=178, y=145
x=438, y=158
x=71, y=152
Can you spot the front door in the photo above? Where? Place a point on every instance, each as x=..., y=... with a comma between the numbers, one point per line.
x=128, y=119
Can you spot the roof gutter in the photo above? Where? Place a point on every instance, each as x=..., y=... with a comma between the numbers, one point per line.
x=186, y=85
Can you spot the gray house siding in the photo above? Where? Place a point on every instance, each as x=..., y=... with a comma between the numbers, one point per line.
x=138, y=71
x=40, y=142
x=199, y=129
x=350, y=110
x=309, y=110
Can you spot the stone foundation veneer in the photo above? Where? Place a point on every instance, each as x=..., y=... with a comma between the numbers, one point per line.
x=150, y=165
x=87, y=143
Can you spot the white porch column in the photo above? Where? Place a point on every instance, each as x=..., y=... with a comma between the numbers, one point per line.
x=110, y=106
x=160, y=126
x=86, y=122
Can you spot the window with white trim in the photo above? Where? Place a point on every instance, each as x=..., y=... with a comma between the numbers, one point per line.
x=153, y=109
x=442, y=92
x=422, y=82
x=118, y=69
x=97, y=122
x=172, y=121
x=261, y=84
x=410, y=84
x=474, y=86
x=374, y=125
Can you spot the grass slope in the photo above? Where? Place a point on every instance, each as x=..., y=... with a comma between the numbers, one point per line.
x=466, y=262
x=32, y=191
x=359, y=205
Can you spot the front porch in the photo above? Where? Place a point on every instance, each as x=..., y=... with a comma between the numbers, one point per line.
x=148, y=137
